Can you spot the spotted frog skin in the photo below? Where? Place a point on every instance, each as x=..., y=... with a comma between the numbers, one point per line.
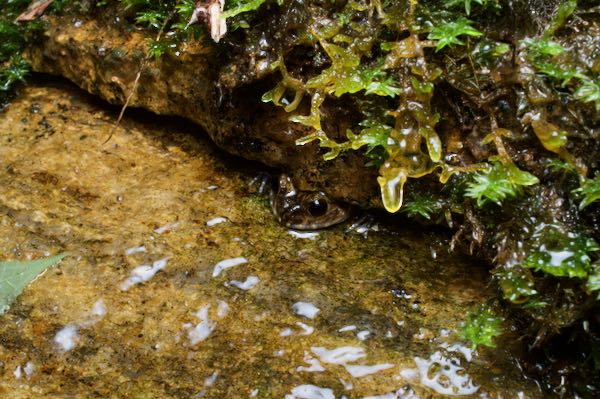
x=305, y=210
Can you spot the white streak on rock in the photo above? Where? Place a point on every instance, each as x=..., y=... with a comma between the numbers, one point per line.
x=29, y=369
x=305, y=309
x=222, y=309
x=135, y=250
x=311, y=392
x=286, y=332
x=442, y=374
x=210, y=380
x=250, y=282
x=347, y=328
x=310, y=235
x=67, y=338
x=203, y=329
x=226, y=264
x=307, y=330
x=99, y=309
x=215, y=221
x=314, y=365
x=166, y=227
x=341, y=355
x=358, y=371
x=143, y=273
x=348, y=386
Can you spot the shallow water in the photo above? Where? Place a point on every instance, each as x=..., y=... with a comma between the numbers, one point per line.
x=182, y=285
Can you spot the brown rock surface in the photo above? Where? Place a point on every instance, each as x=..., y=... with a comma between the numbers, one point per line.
x=105, y=59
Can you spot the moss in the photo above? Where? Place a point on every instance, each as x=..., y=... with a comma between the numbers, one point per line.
x=481, y=327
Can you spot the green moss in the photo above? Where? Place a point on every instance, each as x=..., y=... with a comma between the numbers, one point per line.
x=236, y=7
x=561, y=254
x=15, y=71
x=422, y=205
x=517, y=284
x=593, y=282
x=481, y=327
x=498, y=183
x=589, y=190
x=467, y=4
x=447, y=34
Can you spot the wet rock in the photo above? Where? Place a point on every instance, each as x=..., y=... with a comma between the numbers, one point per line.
x=105, y=59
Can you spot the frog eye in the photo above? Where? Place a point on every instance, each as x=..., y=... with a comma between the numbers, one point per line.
x=317, y=207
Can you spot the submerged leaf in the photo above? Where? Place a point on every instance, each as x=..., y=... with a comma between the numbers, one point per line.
x=16, y=275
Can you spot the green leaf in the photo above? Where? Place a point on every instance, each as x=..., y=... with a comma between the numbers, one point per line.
x=565, y=10
x=372, y=136
x=16, y=71
x=156, y=49
x=500, y=182
x=154, y=19
x=423, y=206
x=539, y=47
x=447, y=34
x=562, y=254
x=516, y=283
x=593, y=283
x=555, y=71
x=238, y=7
x=590, y=189
x=467, y=4
x=559, y=166
x=589, y=92
x=481, y=327
x=16, y=275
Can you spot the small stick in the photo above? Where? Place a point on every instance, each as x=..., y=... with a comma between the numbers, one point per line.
x=137, y=79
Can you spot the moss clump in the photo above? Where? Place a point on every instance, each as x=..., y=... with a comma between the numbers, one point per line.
x=13, y=69
x=481, y=327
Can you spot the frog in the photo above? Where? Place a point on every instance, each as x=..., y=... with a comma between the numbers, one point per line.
x=305, y=210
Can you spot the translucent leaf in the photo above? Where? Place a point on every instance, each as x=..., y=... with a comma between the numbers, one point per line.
x=16, y=275
x=434, y=144
x=373, y=136
x=391, y=183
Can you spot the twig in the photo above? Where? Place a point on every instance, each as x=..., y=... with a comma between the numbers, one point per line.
x=137, y=79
